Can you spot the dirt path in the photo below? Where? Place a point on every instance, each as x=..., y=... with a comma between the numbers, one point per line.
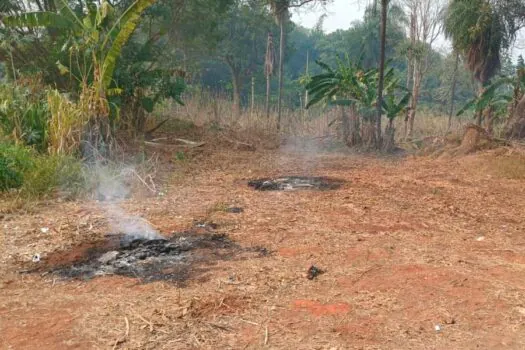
x=418, y=253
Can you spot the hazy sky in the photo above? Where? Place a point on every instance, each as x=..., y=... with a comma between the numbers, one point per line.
x=341, y=14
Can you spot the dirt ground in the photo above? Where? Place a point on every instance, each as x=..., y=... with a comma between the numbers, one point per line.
x=418, y=253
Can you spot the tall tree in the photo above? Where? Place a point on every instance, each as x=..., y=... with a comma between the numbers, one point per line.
x=381, y=69
x=244, y=32
x=453, y=91
x=281, y=12
x=269, y=68
x=425, y=27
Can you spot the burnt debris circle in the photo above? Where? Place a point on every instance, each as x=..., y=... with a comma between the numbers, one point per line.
x=294, y=183
x=173, y=259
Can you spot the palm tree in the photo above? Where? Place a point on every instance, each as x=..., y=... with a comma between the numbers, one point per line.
x=478, y=32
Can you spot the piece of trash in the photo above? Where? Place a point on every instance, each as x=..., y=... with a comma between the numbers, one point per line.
x=480, y=238
x=44, y=229
x=109, y=256
x=313, y=272
x=234, y=210
x=206, y=225
x=36, y=258
x=437, y=328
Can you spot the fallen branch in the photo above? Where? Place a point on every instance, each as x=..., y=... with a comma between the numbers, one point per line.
x=191, y=143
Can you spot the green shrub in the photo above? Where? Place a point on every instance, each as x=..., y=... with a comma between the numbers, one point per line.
x=24, y=113
x=36, y=175
x=9, y=178
x=14, y=162
x=54, y=173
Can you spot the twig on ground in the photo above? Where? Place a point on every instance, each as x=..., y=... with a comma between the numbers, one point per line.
x=218, y=326
x=250, y=322
x=364, y=273
x=144, y=182
x=149, y=323
x=122, y=339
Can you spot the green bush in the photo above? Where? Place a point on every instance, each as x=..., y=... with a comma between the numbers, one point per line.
x=54, y=173
x=14, y=162
x=24, y=113
x=9, y=178
x=36, y=175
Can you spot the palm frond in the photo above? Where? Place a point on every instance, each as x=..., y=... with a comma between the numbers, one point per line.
x=38, y=19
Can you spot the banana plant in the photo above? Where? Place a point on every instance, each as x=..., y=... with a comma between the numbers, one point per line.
x=349, y=85
x=98, y=33
x=496, y=96
x=393, y=108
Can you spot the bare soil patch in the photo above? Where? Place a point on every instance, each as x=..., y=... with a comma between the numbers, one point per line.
x=417, y=253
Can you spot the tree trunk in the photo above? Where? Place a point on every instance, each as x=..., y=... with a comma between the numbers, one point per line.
x=516, y=127
x=479, y=114
x=346, y=125
x=282, y=19
x=354, y=136
x=479, y=117
x=236, y=82
x=369, y=134
x=489, y=120
x=453, y=92
x=379, y=103
x=307, y=73
x=413, y=101
x=252, y=107
x=410, y=67
x=389, y=138
x=268, y=86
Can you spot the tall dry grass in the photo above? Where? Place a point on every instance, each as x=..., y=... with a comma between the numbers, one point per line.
x=215, y=111
x=66, y=124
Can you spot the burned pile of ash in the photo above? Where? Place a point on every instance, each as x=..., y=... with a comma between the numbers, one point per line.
x=173, y=259
x=293, y=183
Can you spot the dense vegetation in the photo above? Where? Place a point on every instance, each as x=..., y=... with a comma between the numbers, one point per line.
x=74, y=73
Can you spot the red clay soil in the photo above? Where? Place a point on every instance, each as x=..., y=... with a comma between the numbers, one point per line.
x=418, y=254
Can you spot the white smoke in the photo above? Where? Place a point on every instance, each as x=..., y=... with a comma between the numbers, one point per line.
x=111, y=191
x=132, y=226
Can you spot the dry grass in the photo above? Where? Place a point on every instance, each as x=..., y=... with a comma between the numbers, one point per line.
x=215, y=113
x=507, y=166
